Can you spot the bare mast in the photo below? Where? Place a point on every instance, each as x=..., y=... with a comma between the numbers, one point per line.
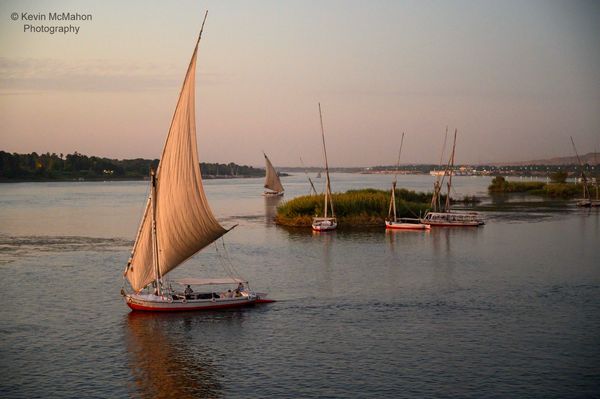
x=451, y=170
x=312, y=186
x=586, y=193
x=437, y=185
x=327, y=183
x=393, y=200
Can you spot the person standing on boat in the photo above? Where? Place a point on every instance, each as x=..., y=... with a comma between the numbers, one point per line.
x=188, y=291
x=240, y=287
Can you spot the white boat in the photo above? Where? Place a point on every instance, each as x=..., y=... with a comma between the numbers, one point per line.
x=406, y=224
x=452, y=219
x=272, y=181
x=393, y=222
x=177, y=223
x=445, y=217
x=325, y=223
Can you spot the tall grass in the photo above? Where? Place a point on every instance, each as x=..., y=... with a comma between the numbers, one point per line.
x=354, y=207
x=553, y=190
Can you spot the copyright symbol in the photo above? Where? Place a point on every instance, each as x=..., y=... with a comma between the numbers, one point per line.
x=14, y=16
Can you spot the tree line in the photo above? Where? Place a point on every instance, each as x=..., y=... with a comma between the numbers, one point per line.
x=77, y=166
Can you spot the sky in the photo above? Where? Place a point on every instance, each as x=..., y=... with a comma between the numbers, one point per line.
x=515, y=78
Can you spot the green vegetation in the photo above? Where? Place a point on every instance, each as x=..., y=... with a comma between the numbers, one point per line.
x=559, y=177
x=352, y=208
x=552, y=190
x=34, y=167
x=501, y=185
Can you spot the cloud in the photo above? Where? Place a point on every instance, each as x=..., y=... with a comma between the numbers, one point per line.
x=34, y=75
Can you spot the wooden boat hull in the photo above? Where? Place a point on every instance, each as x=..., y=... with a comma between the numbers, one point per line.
x=452, y=219
x=588, y=203
x=454, y=224
x=321, y=228
x=154, y=303
x=406, y=226
x=324, y=224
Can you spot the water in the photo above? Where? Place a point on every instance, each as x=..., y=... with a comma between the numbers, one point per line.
x=508, y=310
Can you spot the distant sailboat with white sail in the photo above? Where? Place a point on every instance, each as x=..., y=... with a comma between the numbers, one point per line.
x=272, y=181
x=177, y=223
x=328, y=221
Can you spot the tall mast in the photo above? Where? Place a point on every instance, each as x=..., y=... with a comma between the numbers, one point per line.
x=437, y=185
x=327, y=182
x=154, y=236
x=585, y=187
x=393, y=199
x=398, y=162
x=451, y=169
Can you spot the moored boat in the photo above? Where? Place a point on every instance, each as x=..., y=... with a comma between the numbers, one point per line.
x=452, y=219
x=406, y=224
x=325, y=223
x=586, y=201
x=445, y=217
x=392, y=221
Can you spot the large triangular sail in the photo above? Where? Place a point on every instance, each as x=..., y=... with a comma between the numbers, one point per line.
x=183, y=219
x=272, y=181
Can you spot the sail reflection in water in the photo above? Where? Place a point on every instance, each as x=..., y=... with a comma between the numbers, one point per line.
x=163, y=366
x=271, y=204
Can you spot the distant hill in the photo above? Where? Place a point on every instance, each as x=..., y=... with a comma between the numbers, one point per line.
x=590, y=159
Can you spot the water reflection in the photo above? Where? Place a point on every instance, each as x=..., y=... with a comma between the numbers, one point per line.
x=161, y=363
x=271, y=204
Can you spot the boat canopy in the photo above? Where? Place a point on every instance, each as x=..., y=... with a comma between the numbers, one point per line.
x=210, y=281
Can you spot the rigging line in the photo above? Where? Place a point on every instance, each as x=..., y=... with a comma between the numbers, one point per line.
x=403, y=202
x=222, y=263
x=228, y=258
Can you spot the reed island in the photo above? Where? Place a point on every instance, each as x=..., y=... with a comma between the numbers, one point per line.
x=366, y=207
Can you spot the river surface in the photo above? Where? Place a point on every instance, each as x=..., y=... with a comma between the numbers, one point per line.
x=508, y=310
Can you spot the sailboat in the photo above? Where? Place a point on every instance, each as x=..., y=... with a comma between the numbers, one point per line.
x=393, y=222
x=586, y=201
x=272, y=181
x=325, y=223
x=445, y=216
x=177, y=223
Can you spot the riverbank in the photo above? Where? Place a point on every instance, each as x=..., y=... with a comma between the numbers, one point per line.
x=550, y=190
x=366, y=207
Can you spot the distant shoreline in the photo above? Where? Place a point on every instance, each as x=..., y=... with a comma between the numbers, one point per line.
x=87, y=180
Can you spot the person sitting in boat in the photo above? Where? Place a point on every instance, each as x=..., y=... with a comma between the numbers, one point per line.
x=188, y=291
x=238, y=293
x=240, y=287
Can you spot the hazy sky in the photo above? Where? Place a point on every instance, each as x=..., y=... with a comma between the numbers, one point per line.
x=515, y=77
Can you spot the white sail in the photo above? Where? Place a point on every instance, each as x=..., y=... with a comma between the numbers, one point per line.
x=184, y=221
x=272, y=181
